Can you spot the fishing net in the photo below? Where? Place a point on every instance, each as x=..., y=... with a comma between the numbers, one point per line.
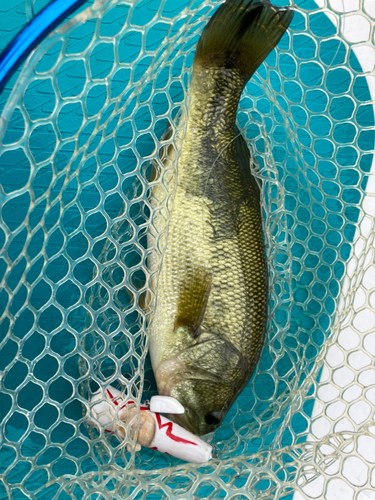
x=82, y=214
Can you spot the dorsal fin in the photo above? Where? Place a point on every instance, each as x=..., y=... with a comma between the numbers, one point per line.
x=194, y=291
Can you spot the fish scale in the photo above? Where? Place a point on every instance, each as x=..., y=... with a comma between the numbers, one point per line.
x=211, y=308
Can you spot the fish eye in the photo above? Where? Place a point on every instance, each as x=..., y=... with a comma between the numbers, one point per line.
x=213, y=418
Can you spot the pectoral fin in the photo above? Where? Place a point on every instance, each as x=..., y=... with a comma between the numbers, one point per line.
x=192, y=302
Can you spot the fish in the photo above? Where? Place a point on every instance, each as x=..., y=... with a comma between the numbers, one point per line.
x=208, y=325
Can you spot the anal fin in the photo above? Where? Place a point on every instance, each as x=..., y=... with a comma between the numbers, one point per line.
x=194, y=291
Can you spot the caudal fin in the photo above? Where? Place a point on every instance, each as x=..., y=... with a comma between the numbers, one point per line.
x=241, y=34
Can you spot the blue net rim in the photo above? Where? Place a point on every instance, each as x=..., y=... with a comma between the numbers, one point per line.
x=32, y=34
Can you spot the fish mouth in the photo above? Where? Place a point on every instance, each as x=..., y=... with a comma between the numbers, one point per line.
x=192, y=424
x=173, y=372
x=184, y=421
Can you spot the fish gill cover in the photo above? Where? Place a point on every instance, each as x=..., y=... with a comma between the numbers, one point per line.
x=80, y=128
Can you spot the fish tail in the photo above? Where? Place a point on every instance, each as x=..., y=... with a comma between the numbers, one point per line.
x=241, y=34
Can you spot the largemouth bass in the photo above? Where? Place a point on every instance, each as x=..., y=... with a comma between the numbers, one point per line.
x=211, y=305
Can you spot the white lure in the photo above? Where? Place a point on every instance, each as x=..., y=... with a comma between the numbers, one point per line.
x=154, y=430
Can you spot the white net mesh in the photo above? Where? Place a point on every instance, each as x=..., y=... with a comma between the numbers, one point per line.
x=79, y=132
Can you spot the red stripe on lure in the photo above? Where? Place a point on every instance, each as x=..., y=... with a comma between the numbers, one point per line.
x=169, y=427
x=142, y=408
